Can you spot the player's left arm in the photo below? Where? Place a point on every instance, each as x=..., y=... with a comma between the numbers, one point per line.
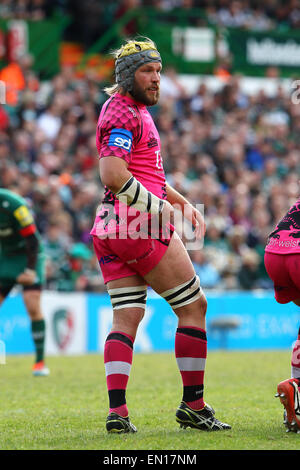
x=190, y=212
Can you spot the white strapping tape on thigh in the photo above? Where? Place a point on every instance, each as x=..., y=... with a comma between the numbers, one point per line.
x=183, y=294
x=128, y=297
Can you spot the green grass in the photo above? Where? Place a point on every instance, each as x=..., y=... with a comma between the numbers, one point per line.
x=67, y=410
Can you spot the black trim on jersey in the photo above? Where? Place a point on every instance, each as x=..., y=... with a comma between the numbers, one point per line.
x=141, y=123
x=166, y=243
x=108, y=105
x=99, y=125
x=109, y=197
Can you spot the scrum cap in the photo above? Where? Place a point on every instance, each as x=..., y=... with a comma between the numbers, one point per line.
x=130, y=57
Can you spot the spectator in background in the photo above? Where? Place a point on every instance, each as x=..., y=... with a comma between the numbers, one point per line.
x=6, y=9
x=130, y=29
x=258, y=20
x=71, y=275
x=4, y=119
x=37, y=10
x=13, y=77
x=233, y=16
x=248, y=271
x=236, y=153
x=56, y=248
x=208, y=274
x=50, y=121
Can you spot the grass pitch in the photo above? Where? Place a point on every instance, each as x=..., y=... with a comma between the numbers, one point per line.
x=67, y=410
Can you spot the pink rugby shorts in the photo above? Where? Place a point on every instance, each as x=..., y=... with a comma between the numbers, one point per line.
x=284, y=270
x=120, y=258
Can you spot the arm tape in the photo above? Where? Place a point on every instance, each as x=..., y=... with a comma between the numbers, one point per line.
x=134, y=194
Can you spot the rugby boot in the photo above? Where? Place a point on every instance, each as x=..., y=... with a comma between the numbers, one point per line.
x=288, y=393
x=118, y=424
x=203, y=419
x=40, y=370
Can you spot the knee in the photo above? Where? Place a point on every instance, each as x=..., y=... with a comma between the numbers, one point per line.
x=32, y=302
x=194, y=313
x=127, y=320
x=203, y=305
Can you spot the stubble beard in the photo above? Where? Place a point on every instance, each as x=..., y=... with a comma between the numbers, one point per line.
x=140, y=95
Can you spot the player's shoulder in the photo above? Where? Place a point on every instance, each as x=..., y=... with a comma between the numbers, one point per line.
x=10, y=200
x=119, y=111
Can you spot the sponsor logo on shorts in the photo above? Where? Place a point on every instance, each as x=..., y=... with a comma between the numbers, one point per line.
x=120, y=138
x=144, y=255
x=107, y=259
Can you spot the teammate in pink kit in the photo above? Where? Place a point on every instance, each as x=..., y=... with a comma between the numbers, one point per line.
x=282, y=261
x=136, y=244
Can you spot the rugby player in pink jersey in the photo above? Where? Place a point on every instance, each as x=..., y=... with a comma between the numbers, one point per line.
x=282, y=262
x=138, y=201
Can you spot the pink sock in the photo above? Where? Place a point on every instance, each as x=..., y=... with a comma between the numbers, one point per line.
x=118, y=352
x=191, y=352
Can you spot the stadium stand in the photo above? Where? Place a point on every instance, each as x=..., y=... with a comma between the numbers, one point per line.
x=236, y=153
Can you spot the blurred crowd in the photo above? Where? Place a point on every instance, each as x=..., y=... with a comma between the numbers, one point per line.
x=91, y=18
x=239, y=156
x=236, y=154
x=33, y=10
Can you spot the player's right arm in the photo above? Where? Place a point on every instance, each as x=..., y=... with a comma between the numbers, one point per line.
x=115, y=175
x=114, y=172
x=118, y=133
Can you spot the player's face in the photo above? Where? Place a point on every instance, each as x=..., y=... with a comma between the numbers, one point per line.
x=146, y=83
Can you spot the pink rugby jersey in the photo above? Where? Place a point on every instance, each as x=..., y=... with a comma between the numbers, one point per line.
x=285, y=239
x=126, y=130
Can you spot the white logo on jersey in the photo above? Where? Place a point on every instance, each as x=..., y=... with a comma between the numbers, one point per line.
x=159, y=163
x=124, y=143
x=132, y=111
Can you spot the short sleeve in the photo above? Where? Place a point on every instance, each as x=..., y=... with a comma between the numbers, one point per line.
x=119, y=131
